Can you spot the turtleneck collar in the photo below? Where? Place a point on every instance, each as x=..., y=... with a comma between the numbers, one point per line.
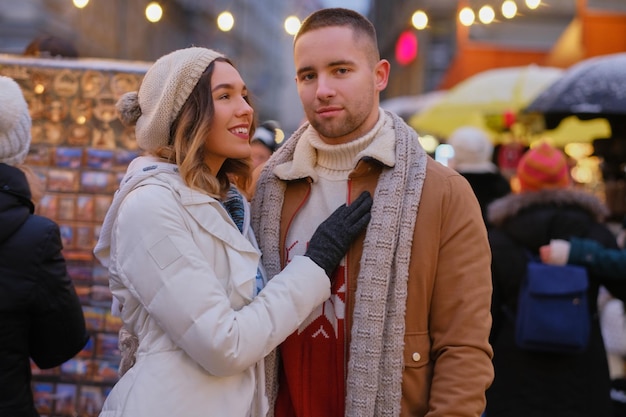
x=339, y=159
x=313, y=157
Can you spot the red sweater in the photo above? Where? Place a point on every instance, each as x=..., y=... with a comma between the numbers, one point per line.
x=312, y=373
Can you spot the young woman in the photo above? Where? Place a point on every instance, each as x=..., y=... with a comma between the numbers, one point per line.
x=183, y=261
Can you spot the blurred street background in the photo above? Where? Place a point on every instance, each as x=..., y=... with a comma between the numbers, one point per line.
x=555, y=33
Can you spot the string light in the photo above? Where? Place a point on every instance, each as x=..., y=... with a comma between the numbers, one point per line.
x=225, y=21
x=292, y=25
x=533, y=4
x=509, y=9
x=154, y=12
x=486, y=14
x=419, y=20
x=467, y=16
x=80, y=3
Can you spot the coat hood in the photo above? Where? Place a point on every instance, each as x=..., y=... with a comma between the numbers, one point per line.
x=140, y=169
x=533, y=218
x=511, y=205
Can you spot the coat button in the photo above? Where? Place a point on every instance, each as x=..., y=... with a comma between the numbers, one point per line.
x=416, y=357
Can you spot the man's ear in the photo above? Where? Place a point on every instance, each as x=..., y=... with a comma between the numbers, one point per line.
x=381, y=71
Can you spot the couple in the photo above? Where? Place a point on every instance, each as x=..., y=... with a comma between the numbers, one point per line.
x=373, y=294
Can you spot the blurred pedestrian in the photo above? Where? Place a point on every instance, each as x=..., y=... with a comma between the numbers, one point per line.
x=50, y=46
x=530, y=383
x=267, y=137
x=40, y=314
x=610, y=264
x=183, y=261
x=405, y=332
x=473, y=154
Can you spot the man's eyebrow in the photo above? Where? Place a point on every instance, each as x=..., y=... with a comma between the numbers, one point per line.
x=304, y=69
x=340, y=62
x=330, y=65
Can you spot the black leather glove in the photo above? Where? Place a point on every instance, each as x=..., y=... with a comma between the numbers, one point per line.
x=333, y=237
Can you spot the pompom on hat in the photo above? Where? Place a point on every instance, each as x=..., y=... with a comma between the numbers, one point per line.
x=472, y=150
x=163, y=91
x=543, y=167
x=15, y=123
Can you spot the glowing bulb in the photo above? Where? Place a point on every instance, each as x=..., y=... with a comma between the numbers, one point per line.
x=467, y=16
x=486, y=14
x=225, y=21
x=292, y=25
x=80, y=3
x=39, y=89
x=419, y=20
x=429, y=143
x=509, y=9
x=533, y=4
x=154, y=12
x=578, y=150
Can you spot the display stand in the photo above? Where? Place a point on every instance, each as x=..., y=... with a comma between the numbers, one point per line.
x=80, y=150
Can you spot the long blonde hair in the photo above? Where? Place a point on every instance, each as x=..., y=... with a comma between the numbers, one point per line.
x=188, y=135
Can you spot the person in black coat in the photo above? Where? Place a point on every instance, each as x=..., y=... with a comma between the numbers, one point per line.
x=40, y=314
x=473, y=153
x=536, y=383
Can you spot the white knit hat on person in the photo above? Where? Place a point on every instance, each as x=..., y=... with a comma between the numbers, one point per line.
x=15, y=123
x=163, y=91
x=473, y=150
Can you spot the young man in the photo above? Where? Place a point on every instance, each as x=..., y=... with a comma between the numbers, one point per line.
x=405, y=331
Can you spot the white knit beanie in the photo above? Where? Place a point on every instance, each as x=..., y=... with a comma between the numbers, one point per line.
x=163, y=91
x=15, y=123
x=472, y=150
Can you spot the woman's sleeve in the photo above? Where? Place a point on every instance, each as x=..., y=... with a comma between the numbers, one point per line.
x=163, y=267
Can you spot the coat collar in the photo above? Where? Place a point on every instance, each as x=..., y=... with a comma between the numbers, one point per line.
x=381, y=149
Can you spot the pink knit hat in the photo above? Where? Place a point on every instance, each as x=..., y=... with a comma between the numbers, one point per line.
x=543, y=167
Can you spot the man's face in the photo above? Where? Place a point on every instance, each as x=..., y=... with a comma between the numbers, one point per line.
x=338, y=82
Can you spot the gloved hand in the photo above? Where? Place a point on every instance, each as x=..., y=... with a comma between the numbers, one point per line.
x=333, y=237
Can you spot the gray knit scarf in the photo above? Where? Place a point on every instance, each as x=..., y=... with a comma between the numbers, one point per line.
x=378, y=328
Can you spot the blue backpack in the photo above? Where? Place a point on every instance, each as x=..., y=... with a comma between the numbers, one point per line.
x=552, y=311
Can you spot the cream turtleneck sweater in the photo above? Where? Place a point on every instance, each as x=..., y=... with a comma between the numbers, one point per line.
x=331, y=166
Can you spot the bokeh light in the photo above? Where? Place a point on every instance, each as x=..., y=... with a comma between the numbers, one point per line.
x=225, y=21
x=419, y=20
x=292, y=25
x=154, y=12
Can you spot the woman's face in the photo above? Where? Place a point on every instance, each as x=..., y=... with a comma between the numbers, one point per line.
x=230, y=133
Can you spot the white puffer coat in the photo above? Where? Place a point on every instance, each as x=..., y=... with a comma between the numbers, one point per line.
x=185, y=277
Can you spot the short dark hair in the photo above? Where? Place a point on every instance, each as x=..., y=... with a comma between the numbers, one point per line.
x=337, y=16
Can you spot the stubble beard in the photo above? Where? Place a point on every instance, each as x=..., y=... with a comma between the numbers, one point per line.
x=335, y=128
